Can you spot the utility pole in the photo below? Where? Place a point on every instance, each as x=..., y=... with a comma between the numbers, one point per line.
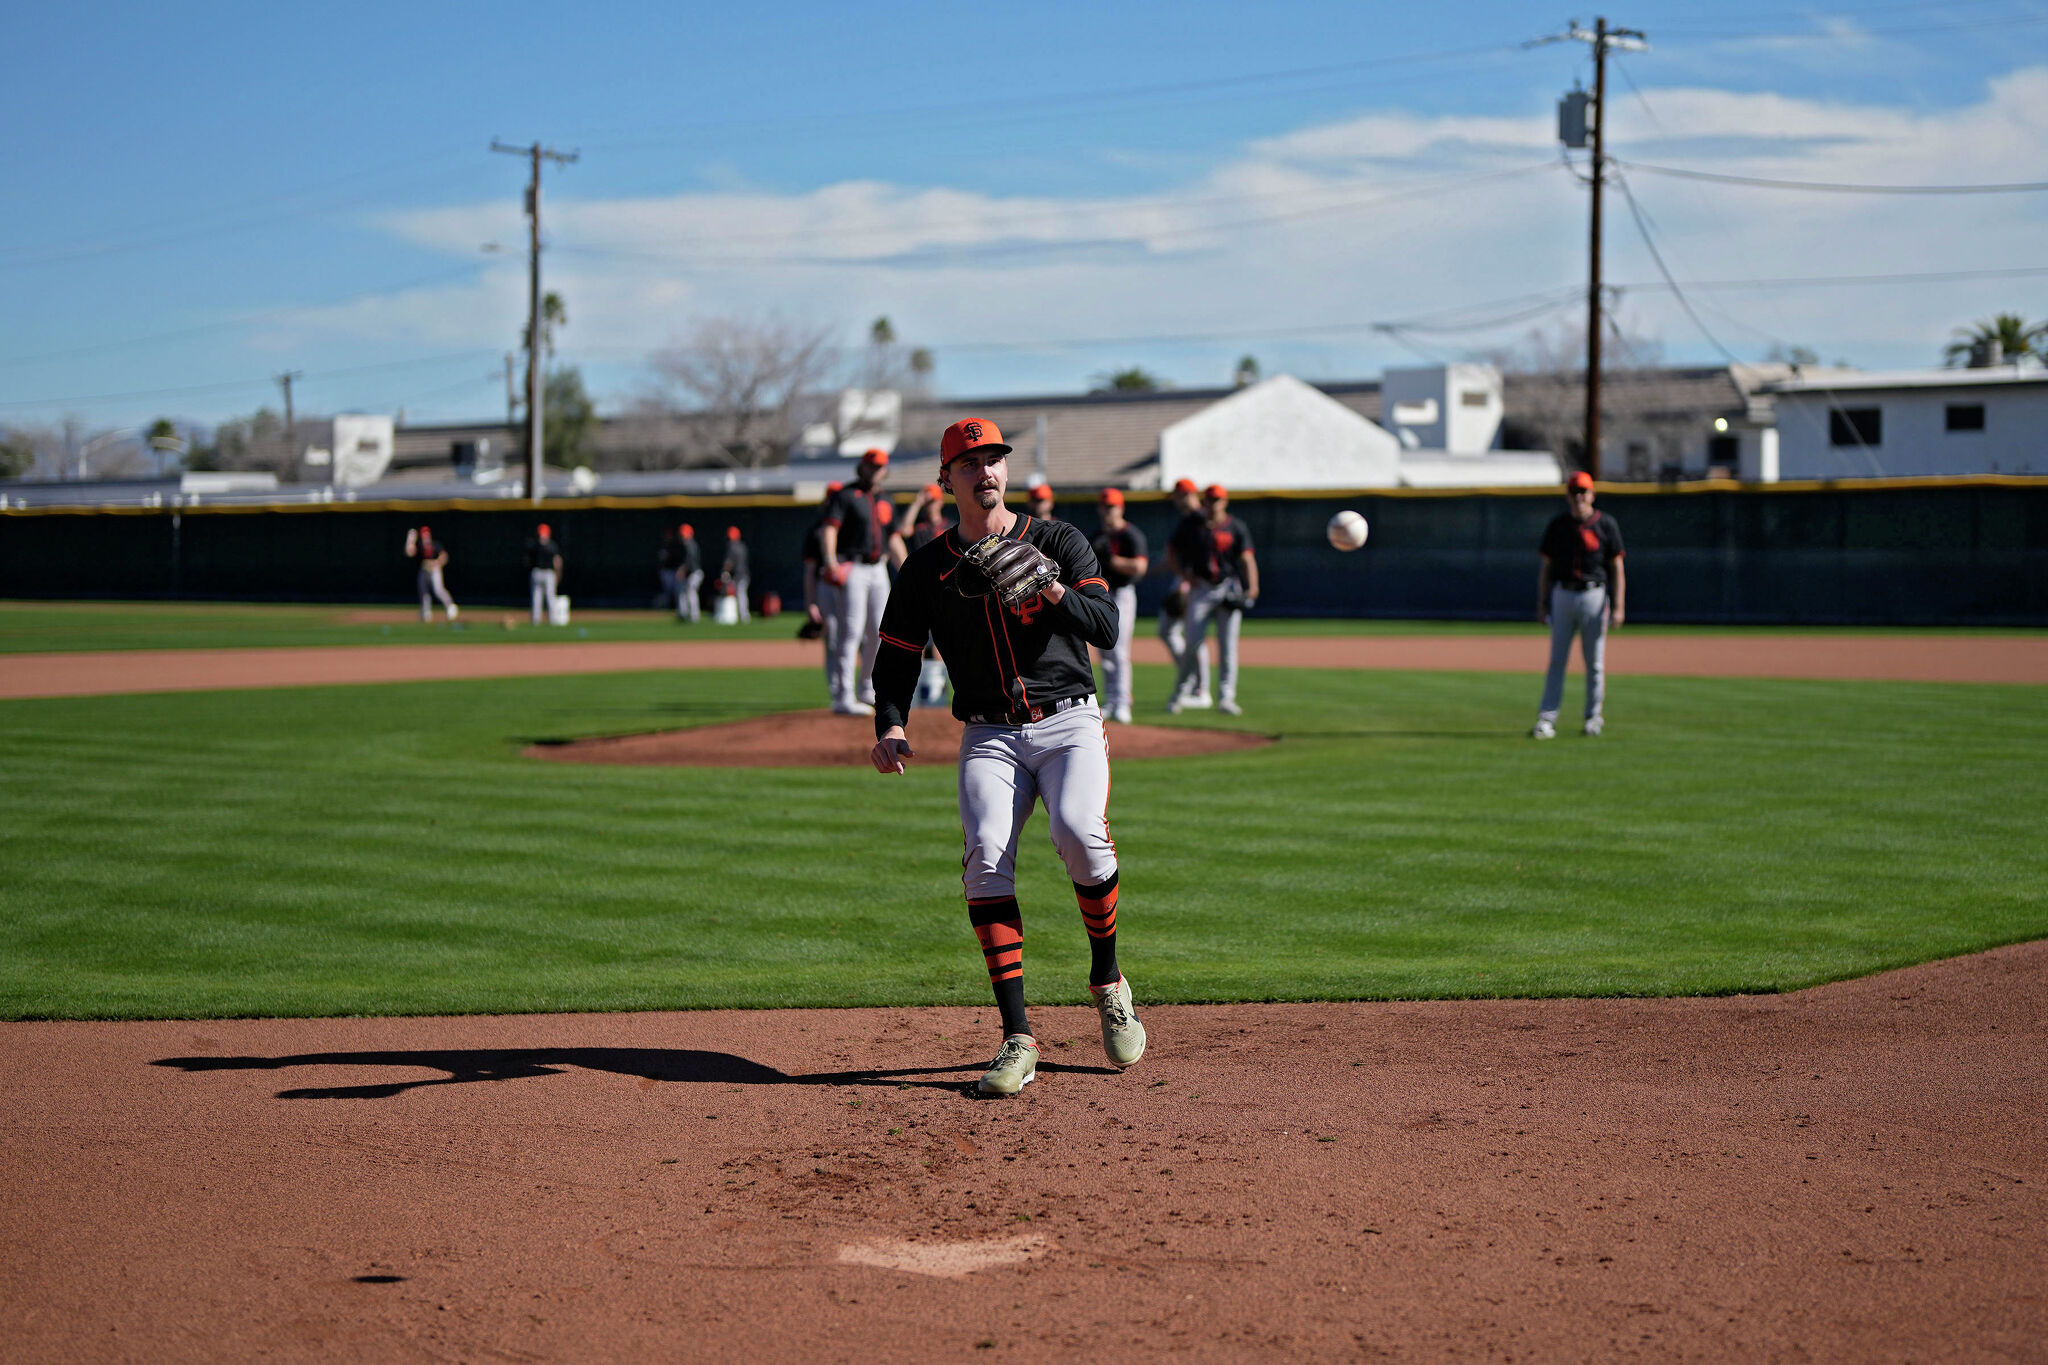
x=291, y=430
x=511, y=394
x=1572, y=131
x=536, y=487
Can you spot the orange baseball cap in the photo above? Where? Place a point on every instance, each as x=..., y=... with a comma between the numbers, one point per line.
x=689, y=531
x=834, y=486
x=1041, y=489
x=875, y=455
x=1216, y=492
x=1112, y=497
x=933, y=492
x=970, y=433
x=543, y=528
x=732, y=533
x=1185, y=486
x=1579, y=479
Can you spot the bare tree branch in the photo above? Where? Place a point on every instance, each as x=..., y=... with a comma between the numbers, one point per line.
x=747, y=377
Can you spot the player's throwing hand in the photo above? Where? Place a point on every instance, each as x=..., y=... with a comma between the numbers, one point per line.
x=890, y=751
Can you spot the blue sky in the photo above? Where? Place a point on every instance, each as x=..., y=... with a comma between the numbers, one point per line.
x=200, y=197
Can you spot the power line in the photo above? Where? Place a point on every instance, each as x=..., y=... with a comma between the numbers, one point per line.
x=1829, y=187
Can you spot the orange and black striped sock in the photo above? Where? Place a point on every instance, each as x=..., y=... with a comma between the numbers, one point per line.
x=999, y=924
x=1098, y=912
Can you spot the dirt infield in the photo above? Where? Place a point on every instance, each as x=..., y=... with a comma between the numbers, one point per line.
x=819, y=739
x=1902, y=658
x=1851, y=1173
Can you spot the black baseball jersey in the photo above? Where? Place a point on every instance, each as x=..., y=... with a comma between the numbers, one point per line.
x=1581, y=551
x=924, y=533
x=735, y=558
x=999, y=660
x=1185, y=542
x=862, y=531
x=540, y=553
x=426, y=550
x=814, y=542
x=681, y=554
x=1129, y=543
x=1219, y=551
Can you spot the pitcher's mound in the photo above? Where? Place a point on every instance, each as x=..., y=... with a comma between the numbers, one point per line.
x=819, y=739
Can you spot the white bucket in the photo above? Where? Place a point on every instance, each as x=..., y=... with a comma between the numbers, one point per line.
x=727, y=612
x=558, y=611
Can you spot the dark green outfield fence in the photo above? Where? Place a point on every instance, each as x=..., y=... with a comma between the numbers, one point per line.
x=1901, y=552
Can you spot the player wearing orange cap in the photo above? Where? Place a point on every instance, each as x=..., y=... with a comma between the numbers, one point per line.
x=1580, y=589
x=543, y=571
x=432, y=556
x=1191, y=668
x=853, y=547
x=1038, y=500
x=682, y=570
x=733, y=574
x=1014, y=603
x=1225, y=582
x=1120, y=550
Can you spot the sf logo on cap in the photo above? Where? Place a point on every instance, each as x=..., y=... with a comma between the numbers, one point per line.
x=971, y=430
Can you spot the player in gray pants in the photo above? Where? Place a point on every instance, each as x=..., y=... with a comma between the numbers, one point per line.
x=1581, y=554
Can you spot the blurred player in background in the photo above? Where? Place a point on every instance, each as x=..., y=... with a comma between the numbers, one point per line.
x=1581, y=557
x=821, y=599
x=1038, y=501
x=682, y=571
x=1120, y=551
x=734, y=573
x=1225, y=581
x=432, y=557
x=925, y=522
x=852, y=550
x=1191, y=667
x=543, y=571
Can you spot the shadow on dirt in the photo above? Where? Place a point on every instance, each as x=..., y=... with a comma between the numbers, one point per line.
x=466, y=1066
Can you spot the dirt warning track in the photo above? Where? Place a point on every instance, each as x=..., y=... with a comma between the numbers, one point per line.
x=1902, y=658
x=1857, y=1172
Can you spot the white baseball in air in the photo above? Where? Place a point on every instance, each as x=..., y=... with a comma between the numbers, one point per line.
x=1347, y=530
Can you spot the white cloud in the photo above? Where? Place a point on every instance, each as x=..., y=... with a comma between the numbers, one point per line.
x=1376, y=217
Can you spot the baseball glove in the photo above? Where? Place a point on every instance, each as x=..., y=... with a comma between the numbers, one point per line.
x=1011, y=569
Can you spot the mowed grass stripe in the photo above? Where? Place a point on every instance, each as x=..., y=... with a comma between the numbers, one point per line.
x=386, y=850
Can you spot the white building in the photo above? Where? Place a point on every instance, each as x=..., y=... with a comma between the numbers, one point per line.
x=1284, y=434
x=1918, y=422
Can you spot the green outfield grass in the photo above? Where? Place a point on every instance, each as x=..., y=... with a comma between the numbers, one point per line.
x=47, y=627
x=385, y=850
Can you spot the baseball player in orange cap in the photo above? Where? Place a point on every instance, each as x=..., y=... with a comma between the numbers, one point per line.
x=1120, y=550
x=853, y=545
x=1191, y=669
x=1038, y=500
x=433, y=558
x=1225, y=577
x=735, y=572
x=1014, y=603
x=543, y=571
x=1580, y=589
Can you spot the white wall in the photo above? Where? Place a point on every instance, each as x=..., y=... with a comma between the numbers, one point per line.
x=1915, y=440
x=1457, y=408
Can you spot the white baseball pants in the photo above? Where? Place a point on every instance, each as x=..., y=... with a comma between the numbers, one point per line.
x=1191, y=676
x=1116, y=662
x=1583, y=611
x=688, y=606
x=1063, y=760
x=432, y=589
x=830, y=606
x=861, y=600
x=1206, y=603
x=543, y=582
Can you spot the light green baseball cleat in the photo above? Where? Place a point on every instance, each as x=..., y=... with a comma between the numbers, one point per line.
x=1123, y=1037
x=1015, y=1067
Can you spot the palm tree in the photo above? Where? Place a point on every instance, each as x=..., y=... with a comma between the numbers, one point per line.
x=2009, y=330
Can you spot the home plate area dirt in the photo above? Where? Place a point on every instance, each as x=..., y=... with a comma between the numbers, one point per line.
x=1853, y=1172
